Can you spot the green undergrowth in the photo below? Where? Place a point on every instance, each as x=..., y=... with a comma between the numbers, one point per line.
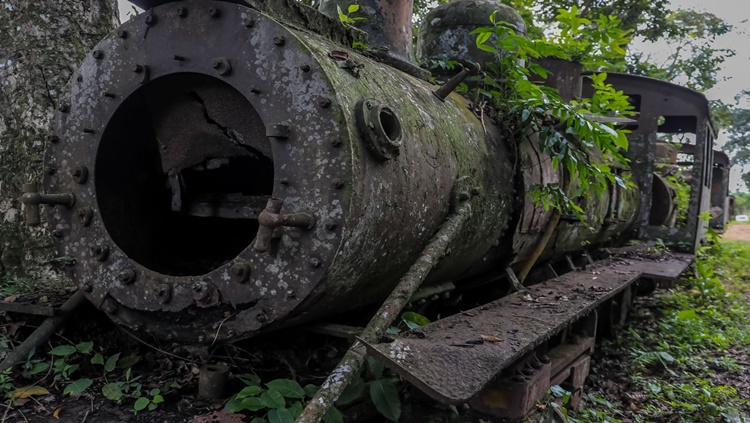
x=685, y=356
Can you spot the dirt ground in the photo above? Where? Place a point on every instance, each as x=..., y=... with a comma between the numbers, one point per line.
x=737, y=232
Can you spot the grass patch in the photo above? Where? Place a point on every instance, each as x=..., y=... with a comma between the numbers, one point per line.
x=685, y=357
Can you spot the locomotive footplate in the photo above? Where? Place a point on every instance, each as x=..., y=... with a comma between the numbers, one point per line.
x=476, y=355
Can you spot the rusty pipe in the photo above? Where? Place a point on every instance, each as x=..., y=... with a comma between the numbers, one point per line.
x=31, y=200
x=454, y=82
x=271, y=218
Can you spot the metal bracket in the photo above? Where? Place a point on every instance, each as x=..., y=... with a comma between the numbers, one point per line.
x=32, y=199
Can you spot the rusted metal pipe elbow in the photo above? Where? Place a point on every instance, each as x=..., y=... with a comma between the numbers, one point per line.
x=31, y=200
x=271, y=218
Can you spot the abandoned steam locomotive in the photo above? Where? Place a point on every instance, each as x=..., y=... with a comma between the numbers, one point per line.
x=223, y=169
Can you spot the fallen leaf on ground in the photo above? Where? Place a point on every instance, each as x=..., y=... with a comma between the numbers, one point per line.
x=56, y=414
x=10, y=299
x=493, y=339
x=28, y=391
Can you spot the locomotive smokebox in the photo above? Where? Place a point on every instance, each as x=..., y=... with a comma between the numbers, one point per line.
x=231, y=175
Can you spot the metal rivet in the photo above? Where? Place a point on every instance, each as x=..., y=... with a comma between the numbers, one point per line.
x=254, y=90
x=178, y=58
x=248, y=23
x=324, y=102
x=138, y=69
x=57, y=233
x=338, y=183
x=214, y=12
x=79, y=78
x=164, y=292
x=279, y=130
x=53, y=138
x=279, y=41
x=80, y=174
x=337, y=143
x=331, y=225
x=181, y=12
x=222, y=66
x=261, y=317
x=109, y=95
x=126, y=276
x=122, y=34
x=241, y=271
x=64, y=108
x=151, y=20
x=88, y=131
x=305, y=68
x=98, y=54
x=87, y=287
x=85, y=214
x=100, y=252
x=315, y=262
x=284, y=182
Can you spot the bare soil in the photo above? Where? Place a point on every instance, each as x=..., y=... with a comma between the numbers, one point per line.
x=737, y=232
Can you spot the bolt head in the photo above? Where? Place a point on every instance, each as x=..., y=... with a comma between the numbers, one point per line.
x=181, y=12
x=305, y=68
x=87, y=287
x=53, y=139
x=126, y=276
x=97, y=54
x=138, y=68
x=57, y=233
x=122, y=34
x=315, y=262
x=216, y=64
x=64, y=108
x=214, y=12
x=150, y=19
x=324, y=102
x=279, y=41
x=241, y=271
x=331, y=225
x=248, y=23
x=338, y=183
x=261, y=318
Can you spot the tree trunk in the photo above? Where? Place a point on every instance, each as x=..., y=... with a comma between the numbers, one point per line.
x=41, y=44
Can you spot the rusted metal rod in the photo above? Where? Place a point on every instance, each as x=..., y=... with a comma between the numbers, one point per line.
x=350, y=364
x=43, y=332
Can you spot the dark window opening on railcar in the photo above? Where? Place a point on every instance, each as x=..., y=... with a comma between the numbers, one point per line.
x=182, y=171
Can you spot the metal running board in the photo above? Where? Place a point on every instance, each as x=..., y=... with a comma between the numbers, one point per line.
x=449, y=360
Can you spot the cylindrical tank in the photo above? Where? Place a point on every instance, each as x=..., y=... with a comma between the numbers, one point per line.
x=185, y=121
x=445, y=33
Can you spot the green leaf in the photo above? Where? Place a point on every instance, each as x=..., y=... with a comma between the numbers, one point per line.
x=272, y=399
x=249, y=379
x=375, y=366
x=333, y=415
x=112, y=391
x=63, y=350
x=353, y=8
x=288, y=388
x=77, y=387
x=352, y=392
x=141, y=403
x=152, y=406
x=311, y=390
x=259, y=420
x=415, y=318
x=280, y=416
x=154, y=392
x=39, y=367
x=249, y=391
x=158, y=399
x=111, y=363
x=128, y=361
x=97, y=359
x=252, y=404
x=85, y=347
x=385, y=397
x=687, y=315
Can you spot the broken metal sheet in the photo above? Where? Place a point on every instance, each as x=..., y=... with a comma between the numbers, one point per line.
x=448, y=359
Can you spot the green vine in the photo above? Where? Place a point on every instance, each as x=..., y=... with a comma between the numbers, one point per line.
x=573, y=134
